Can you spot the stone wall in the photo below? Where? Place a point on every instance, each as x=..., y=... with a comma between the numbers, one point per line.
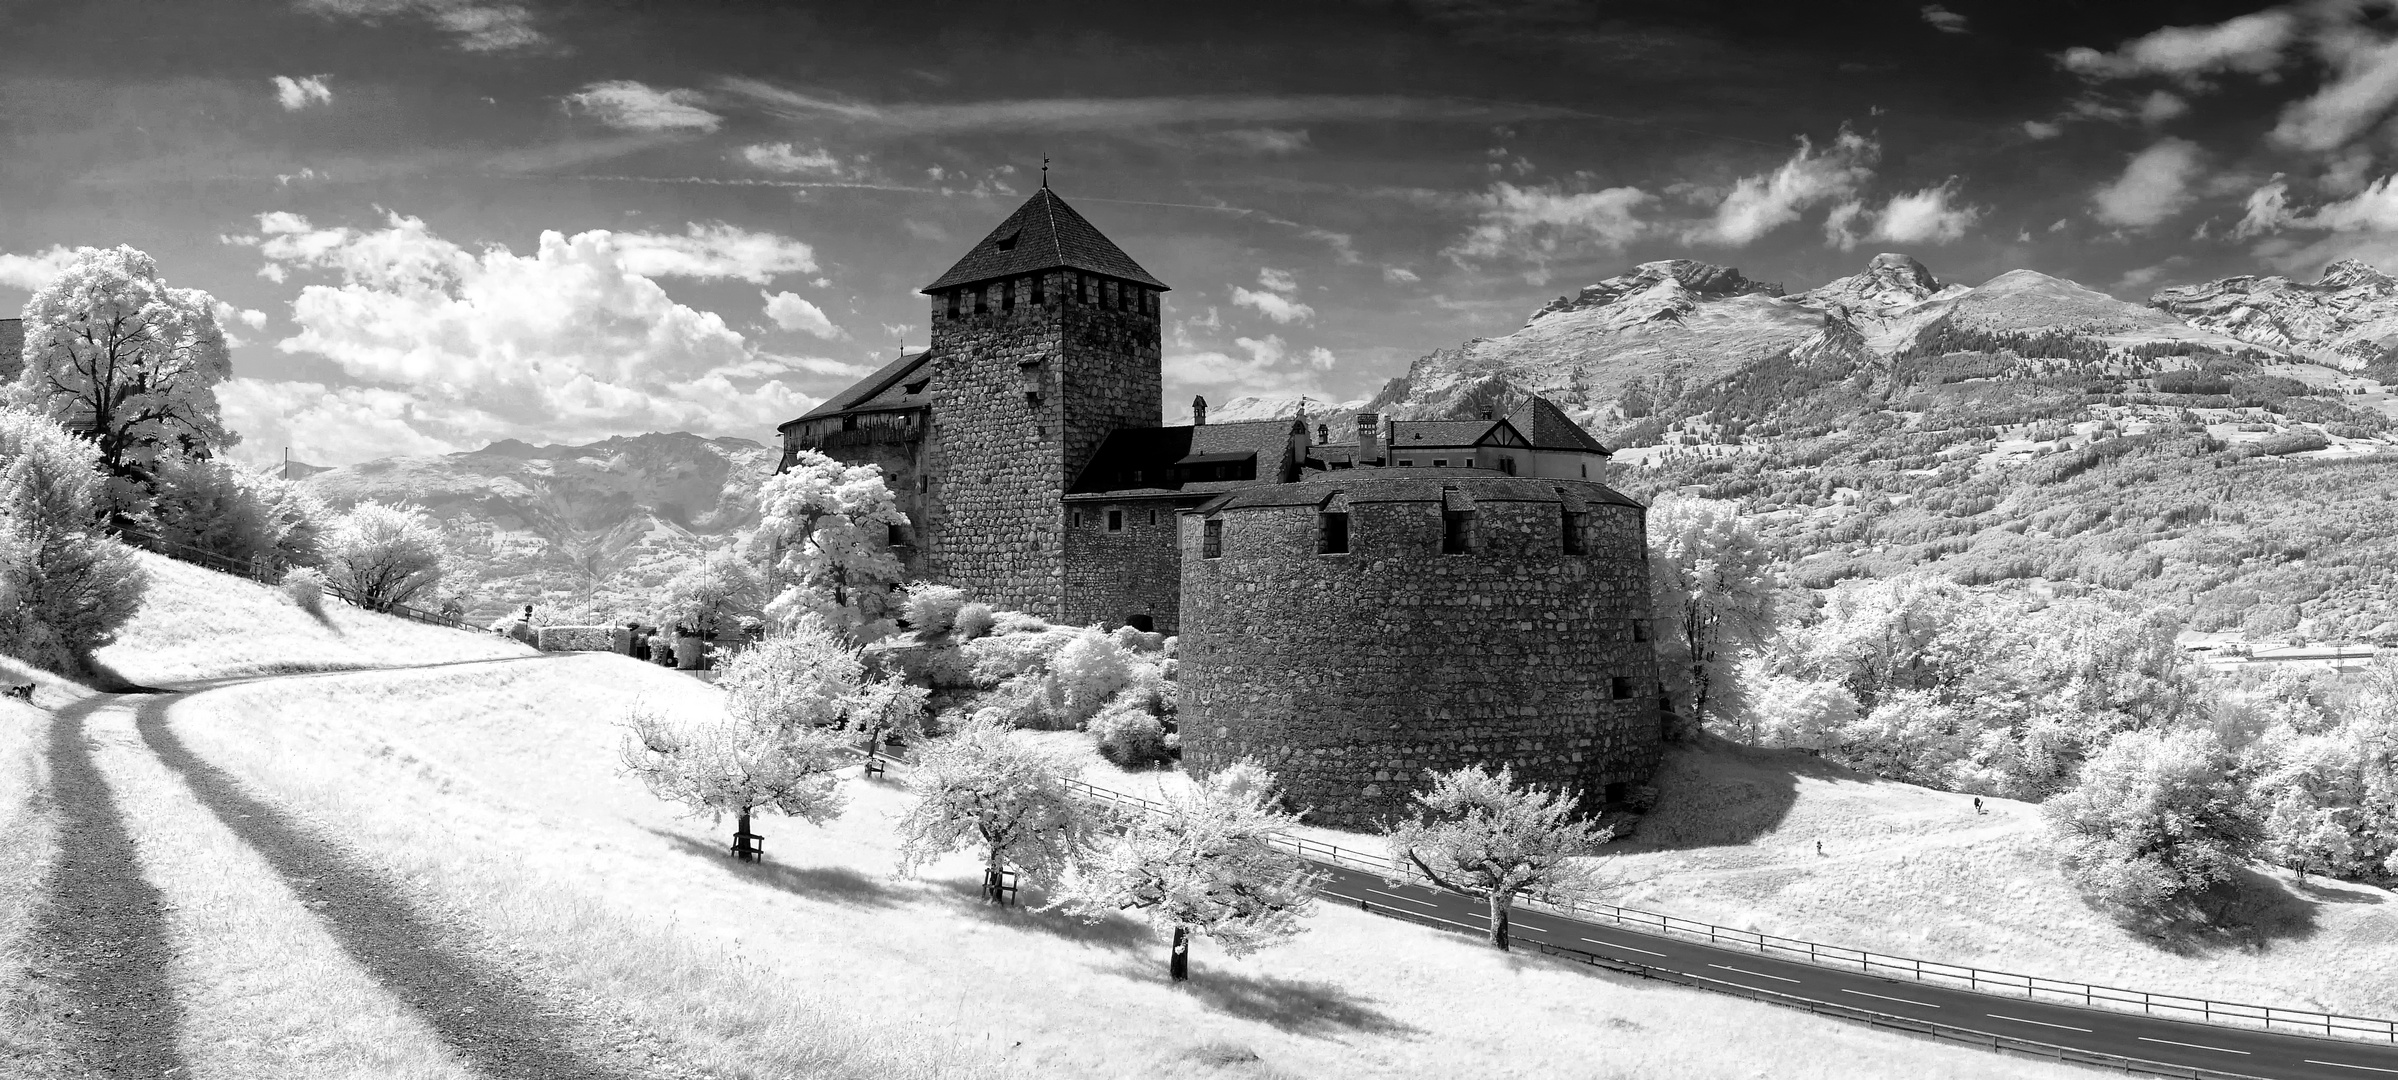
x=1350, y=675
x=1136, y=570
x=615, y=639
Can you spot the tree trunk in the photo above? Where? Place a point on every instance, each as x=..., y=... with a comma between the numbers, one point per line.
x=1178, y=967
x=1498, y=921
x=742, y=848
x=991, y=883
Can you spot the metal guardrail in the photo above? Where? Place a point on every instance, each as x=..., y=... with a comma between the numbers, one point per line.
x=2173, y=1006
x=270, y=572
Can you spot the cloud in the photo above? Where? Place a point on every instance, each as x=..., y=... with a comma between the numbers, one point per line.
x=2042, y=129
x=2359, y=94
x=1280, y=281
x=1129, y=114
x=31, y=272
x=2155, y=185
x=570, y=341
x=1930, y=216
x=783, y=157
x=1400, y=275
x=296, y=94
x=1540, y=224
x=1758, y=205
x=716, y=250
x=2250, y=43
x=479, y=25
x=793, y=312
x=1946, y=21
x=2160, y=106
x=631, y=106
x=2268, y=209
x=1275, y=306
x=1265, y=366
x=228, y=317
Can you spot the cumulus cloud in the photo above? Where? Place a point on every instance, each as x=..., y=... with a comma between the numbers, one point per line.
x=2250, y=43
x=793, y=312
x=571, y=341
x=632, y=106
x=2268, y=208
x=2155, y=185
x=2042, y=129
x=2361, y=91
x=1758, y=205
x=1930, y=216
x=1266, y=366
x=296, y=94
x=478, y=25
x=1540, y=224
x=31, y=272
x=715, y=250
x=2160, y=106
x=1400, y=275
x=1946, y=21
x=1273, y=298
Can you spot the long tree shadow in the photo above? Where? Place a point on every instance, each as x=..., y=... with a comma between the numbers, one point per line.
x=1112, y=933
x=836, y=884
x=1716, y=793
x=100, y=928
x=496, y=1021
x=2249, y=912
x=1298, y=1006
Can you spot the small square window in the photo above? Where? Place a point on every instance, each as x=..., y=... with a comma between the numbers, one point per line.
x=1440, y=463
x=1574, y=522
x=1507, y=465
x=1040, y=290
x=1007, y=296
x=1621, y=687
x=1640, y=629
x=1211, y=539
x=1078, y=519
x=1406, y=461
x=954, y=294
x=899, y=536
x=1332, y=533
x=1153, y=515
x=982, y=300
x=1115, y=521
x=924, y=483
x=1585, y=470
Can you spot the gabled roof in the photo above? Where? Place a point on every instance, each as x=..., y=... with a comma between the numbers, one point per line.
x=1043, y=234
x=1163, y=461
x=1389, y=485
x=1549, y=428
x=869, y=391
x=1436, y=434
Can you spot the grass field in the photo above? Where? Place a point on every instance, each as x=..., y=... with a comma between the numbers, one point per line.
x=1915, y=872
x=200, y=624
x=494, y=790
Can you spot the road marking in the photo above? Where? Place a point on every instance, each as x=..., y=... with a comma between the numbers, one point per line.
x=2345, y=1065
x=1902, y=1001
x=1758, y=974
x=1626, y=948
x=2042, y=1023
x=2195, y=1046
x=1407, y=899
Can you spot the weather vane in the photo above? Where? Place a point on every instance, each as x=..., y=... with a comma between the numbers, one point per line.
x=1044, y=172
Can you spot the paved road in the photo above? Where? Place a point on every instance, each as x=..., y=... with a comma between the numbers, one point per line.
x=2230, y=1049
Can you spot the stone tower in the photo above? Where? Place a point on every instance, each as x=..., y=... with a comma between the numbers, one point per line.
x=1044, y=339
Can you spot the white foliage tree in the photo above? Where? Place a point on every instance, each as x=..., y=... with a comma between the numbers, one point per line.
x=775, y=747
x=385, y=554
x=1477, y=833
x=66, y=587
x=1205, y=865
x=2156, y=820
x=825, y=532
x=714, y=591
x=240, y=512
x=1711, y=592
x=885, y=707
x=983, y=789
x=111, y=350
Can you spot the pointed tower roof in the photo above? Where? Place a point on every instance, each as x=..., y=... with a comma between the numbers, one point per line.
x=1043, y=234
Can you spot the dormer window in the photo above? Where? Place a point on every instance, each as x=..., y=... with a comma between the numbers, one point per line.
x=1007, y=243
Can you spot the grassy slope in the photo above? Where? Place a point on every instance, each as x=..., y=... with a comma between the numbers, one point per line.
x=199, y=624
x=28, y=842
x=496, y=788
x=1914, y=872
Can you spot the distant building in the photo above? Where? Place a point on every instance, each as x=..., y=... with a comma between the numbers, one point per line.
x=1426, y=593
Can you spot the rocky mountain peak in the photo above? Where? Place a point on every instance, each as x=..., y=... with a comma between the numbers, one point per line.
x=2350, y=273
x=1902, y=271
x=1890, y=280
x=1669, y=285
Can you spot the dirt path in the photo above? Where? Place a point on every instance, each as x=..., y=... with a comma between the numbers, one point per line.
x=500, y=1023
x=99, y=938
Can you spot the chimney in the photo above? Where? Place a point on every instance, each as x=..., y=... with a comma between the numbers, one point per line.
x=1486, y=410
x=1323, y=434
x=1369, y=439
x=1198, y=412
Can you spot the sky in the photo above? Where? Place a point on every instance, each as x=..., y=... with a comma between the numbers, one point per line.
x=432, y=224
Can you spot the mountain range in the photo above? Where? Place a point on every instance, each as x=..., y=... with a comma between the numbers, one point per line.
x=1845, y=415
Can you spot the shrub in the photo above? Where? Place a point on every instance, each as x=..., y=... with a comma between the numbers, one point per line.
x=385, y=554
x=1002, y=656
x=306, y=587
x=65, y=587
x=932, y=609
x=2294, y=442
x=1089, y=670
x=1130, y=737
x=239, y=512
x=973, y=621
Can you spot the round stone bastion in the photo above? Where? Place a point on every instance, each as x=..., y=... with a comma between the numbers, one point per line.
x=1355, y=629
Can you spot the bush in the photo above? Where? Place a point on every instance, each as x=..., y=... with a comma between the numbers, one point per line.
x=1089, y=670
x=65, y=587
x=973, y=621
x=306, y=587
x=385, y=554
x=996, y=658
x=239, y=512
x=2154, y=824
x=1130, y=737
x=932, y=609
x=2294, y=442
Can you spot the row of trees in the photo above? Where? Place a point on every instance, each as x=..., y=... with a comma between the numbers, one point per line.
x=1206, y=862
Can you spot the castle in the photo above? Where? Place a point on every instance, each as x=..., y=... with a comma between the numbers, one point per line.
x=1420, y=594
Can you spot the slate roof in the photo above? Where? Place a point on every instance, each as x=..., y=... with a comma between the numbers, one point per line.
x=1394, y=485
x=1043, y=234
x=1162, y=459
x=1549, y=428
x=1431, y=434
x=885, y=389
